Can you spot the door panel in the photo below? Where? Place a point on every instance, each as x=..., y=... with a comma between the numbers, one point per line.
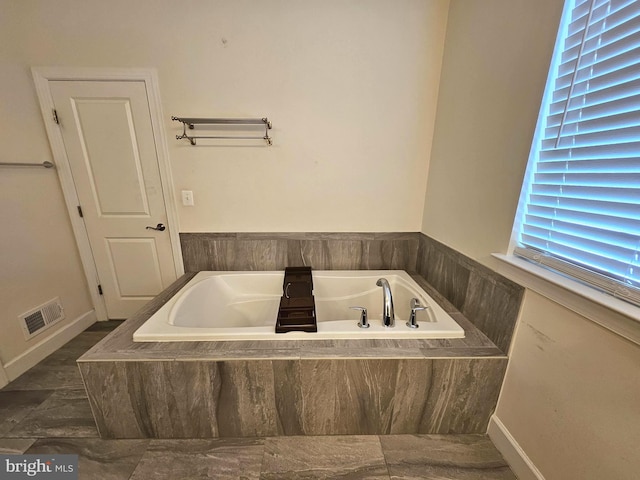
x=108, y=137
x=135, y=266
x=111, y=164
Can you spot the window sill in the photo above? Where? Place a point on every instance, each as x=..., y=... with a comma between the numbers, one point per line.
x=609, y=312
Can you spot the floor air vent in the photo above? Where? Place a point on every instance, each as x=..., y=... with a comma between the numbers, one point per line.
x=39, y=319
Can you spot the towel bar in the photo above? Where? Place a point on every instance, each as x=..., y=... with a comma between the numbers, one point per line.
x=18, y=164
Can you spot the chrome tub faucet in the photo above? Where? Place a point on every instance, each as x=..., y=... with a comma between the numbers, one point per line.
x=388, y=317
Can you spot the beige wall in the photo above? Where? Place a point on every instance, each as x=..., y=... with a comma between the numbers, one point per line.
x=38, y=256
x=497, y=55
x=350, y=87
x=570, y=397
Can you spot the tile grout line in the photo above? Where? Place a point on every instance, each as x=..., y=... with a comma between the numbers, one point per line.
x=384, y=456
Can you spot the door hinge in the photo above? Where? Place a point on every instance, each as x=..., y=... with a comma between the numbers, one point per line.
x=100, y=289
x=80, y=211
x=55, y=116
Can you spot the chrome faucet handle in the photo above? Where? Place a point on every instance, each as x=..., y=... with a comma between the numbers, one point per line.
x=364, y=320
x=415, y=307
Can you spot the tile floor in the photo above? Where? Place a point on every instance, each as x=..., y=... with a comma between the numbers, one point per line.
x=46, y=411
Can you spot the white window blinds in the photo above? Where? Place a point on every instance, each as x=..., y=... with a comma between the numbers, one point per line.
x=581, y=201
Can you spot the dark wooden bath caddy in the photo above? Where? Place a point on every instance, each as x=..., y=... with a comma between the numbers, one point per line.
x=297, y=312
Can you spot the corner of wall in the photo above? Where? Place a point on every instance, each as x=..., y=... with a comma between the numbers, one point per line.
x=515, y=456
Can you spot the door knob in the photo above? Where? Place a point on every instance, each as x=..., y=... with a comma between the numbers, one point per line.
x=160, y=227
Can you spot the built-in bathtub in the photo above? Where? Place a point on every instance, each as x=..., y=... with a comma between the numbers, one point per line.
x=375, y=386
x=244, y=305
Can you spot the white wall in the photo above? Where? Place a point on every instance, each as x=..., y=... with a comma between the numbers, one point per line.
x=570, y=394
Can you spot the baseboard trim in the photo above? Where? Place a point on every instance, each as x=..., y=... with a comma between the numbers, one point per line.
x=4, y=380
x=515, y=456
x=23, y=362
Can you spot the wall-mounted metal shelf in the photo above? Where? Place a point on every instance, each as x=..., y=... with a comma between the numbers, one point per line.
x=192, y=122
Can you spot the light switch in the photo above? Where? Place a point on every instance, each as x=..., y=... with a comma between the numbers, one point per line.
x=187, y=198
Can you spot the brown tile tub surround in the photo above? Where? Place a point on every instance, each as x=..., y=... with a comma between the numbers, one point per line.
x=490, y=301
x=249, y=398
x=322, y=251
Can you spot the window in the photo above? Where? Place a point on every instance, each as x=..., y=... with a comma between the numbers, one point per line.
x=579, y=210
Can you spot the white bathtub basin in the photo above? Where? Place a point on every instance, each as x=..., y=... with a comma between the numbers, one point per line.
x=244, y=306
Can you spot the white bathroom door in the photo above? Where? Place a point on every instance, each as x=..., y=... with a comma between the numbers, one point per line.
x=109, y=141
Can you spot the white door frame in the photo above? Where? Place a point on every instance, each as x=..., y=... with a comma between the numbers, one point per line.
x=41, y=77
